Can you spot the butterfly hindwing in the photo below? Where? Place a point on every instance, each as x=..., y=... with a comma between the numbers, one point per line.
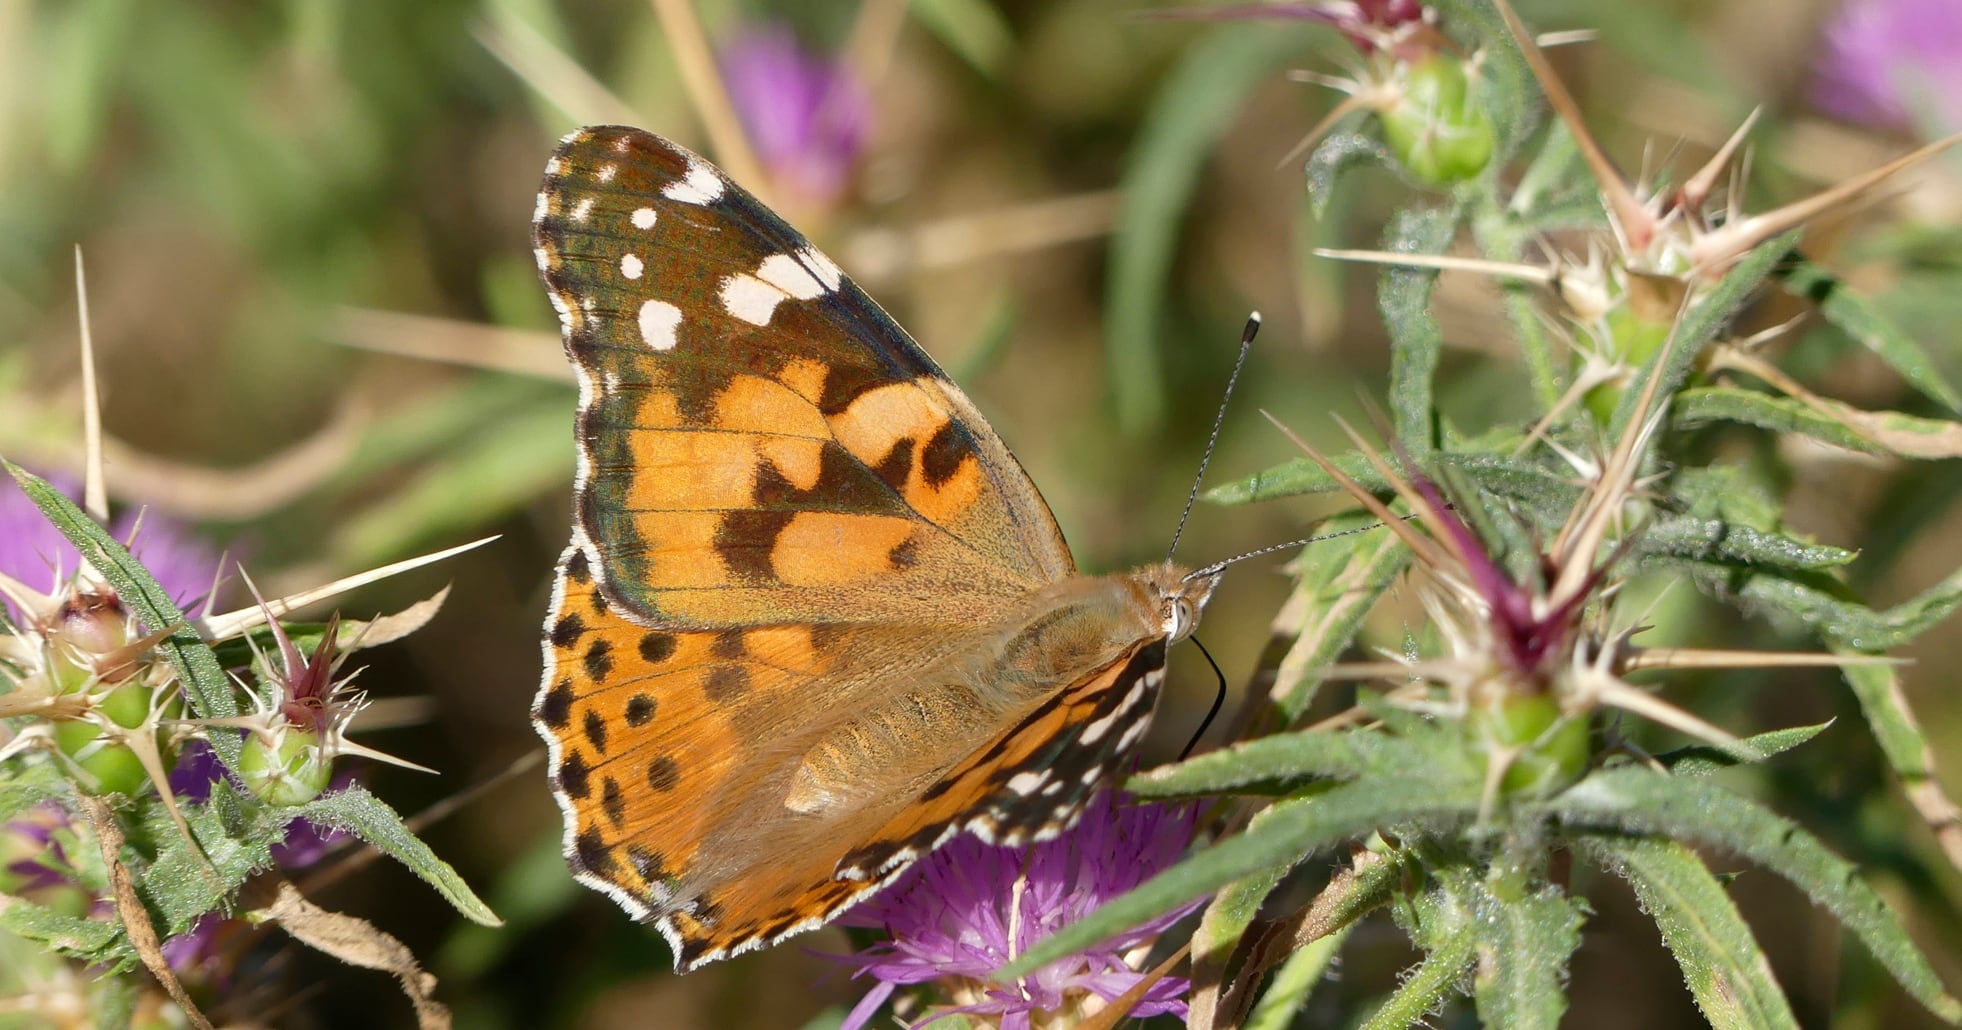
x=759, y=440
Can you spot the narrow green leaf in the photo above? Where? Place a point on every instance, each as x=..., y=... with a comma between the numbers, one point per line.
x=1859, y=318
x=1288, y=989
x=1712, y=540
x=1404, y=298
x=1702, y=759
x=1339, y=580
x=1333, y=156
x=187, y=880
x=1188, y=114
x=1500, y=474
x=1295, y=830
x=1879, y=432
x=1524, y=945
x=93, y=940
x=1425, y=989
x=1827, y=607
x=30, y=785
x=1721, y=962
x=1290, y=758
x=1893, y=724
x=358, y=812
x=1705, y=318
x=203, y=679
x=1639, y=801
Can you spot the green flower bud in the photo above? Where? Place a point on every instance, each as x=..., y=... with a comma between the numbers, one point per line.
x=1546, y=752
x=286, y=767
x=1436, y=128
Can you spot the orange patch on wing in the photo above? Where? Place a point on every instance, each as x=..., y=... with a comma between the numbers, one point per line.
x=945, y=503
x=805, y=378
x=758, y=405
x=789, y=647
x=680, y=549
x=881, y=417
x=800, y=460
x=692, y=471
x=825, y=549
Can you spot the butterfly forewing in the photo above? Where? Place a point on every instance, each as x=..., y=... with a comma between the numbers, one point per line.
x=757, y=437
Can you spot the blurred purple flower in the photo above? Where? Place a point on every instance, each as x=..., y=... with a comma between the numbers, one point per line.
x=1884, y=62
x=35, y=843
x=964, y=911
x=805, y=114
x=32, y=549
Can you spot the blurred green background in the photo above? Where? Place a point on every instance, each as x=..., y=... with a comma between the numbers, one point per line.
x=305, y=228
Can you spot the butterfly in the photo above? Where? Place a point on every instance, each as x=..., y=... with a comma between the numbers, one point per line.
x=814, y=619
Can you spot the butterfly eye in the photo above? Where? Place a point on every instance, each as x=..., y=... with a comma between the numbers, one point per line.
x=1182, y=618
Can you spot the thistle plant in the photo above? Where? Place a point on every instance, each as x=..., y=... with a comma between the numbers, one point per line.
x=1510, y=735
x=163, y=775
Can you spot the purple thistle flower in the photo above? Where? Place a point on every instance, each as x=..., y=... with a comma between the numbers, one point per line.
x=969, y=908
x=805, y=114
x=1885, y=61
x=32, y=549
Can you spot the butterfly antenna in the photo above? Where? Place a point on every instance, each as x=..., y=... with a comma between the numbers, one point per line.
x=1219, y=419
x=1219, y=698
x=1215, y=567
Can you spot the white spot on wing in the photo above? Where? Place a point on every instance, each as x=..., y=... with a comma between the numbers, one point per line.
x=582, y=210
x=700, y=186
x=750, y=299
x=824, y=268
x=630, y=265
x=607, y=172
x=544, y=205
x=658, y=322
x=1025, y=783
x=643, y=218
x=786, y=273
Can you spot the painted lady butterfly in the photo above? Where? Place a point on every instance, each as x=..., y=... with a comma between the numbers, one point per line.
x=814, y=619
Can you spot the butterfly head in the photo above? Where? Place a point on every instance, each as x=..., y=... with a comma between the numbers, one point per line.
x=1182, y=595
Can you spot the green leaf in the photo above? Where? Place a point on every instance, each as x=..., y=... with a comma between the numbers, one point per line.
x=1641, y=802
x=973, y=29
x=1404, y=298
x=358, y=812
x=1503, y=475
x=1706, y=317
x=1288, y=989
x=1286, y=758
x=1881, y=432
x=1892, y=722
x=91, y=940
x=1337, y=581
x=1295, y=830
x=1190, y=111
x=1827, y=607
x=1712, y=540
x=1859, y=318
x=1425, y=989
x=1333, y=156
x=1721, y=962
x=203, y=679
x=30, y=785
x=1524, y=944
x=1702, y=759
x=187, y=880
